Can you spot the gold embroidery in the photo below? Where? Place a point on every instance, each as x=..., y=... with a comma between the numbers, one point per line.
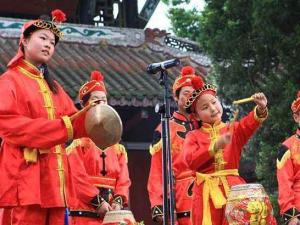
x=50, y=109
x=68, y=124
x=260, y=119
x=219, y=160
x=121, y=150
x=214, y=132
x=196, y=93
x=75, y=143
x=49, y=25
x=284, y=159
x=155, y=148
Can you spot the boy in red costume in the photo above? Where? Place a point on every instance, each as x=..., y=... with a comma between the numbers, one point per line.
x=180, y=124
x=35, y=122
x=214, y=151
x=106, y=168
x=288, y=172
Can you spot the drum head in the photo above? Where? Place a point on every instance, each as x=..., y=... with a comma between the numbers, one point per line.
x=103, y=125
x=118, y=216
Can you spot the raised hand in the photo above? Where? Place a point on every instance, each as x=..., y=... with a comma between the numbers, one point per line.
x=116, y=206
x=260, y=100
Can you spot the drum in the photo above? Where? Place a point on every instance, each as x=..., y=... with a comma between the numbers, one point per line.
x=103, y=125
x=118, y=217
x=248, y=204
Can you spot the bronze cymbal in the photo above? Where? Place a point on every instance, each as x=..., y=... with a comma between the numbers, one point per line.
x=103, y=125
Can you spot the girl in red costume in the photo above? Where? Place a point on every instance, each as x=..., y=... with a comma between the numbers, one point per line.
x=288, y=172
x=107, y=169
x=214, y=151
x=35, y=122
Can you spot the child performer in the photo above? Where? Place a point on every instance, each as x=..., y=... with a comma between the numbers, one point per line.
x=106, y=168
x=214, y=151
x=184, y=178
x=35, y=122
x=288, y=172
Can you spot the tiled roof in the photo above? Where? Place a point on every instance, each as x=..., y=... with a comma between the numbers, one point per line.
x=122, y=55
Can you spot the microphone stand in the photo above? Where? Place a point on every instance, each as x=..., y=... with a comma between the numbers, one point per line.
x=168, y=183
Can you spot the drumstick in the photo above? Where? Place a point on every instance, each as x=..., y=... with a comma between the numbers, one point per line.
x=244, y=100
x=86, y=108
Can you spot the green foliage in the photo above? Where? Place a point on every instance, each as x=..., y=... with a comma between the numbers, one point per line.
x=254, y=46
x=273, y=199
x=185, y=23
x=175, y=2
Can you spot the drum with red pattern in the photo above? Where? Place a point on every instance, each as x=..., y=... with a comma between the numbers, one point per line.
x=248, y=204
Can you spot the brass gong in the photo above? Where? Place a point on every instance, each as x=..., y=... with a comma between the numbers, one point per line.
x=103, y=125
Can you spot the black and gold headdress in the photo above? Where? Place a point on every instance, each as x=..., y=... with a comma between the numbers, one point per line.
x=199, y=88
x=58, y=17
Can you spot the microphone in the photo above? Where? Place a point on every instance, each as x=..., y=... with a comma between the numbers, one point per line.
x=155, y=67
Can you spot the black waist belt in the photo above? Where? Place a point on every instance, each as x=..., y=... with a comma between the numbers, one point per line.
x=182, y=214
x=84, y=214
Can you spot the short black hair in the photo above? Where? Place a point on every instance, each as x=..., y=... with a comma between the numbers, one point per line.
x=86, y=98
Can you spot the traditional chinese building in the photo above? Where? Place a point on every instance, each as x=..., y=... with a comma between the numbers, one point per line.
x=115, y=13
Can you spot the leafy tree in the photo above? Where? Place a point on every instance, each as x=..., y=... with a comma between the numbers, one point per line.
x=254, y=46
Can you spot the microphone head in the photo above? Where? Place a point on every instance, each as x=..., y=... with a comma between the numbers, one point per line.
x=176, y=62
x=156, y=67
x=150, y=69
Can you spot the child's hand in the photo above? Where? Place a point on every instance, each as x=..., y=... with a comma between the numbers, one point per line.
x=294, y=221
x=222, y=141
x=103, y=209
x=116, y=206
x=260, y=100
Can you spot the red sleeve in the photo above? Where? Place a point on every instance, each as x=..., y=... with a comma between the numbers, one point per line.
x=285, y=177
x=79, y=127
x=245, y=128
x=123, y=181
x=78, y=124
x=24, y=131
x=85, y=191
x=196, y=150
x=155, y=188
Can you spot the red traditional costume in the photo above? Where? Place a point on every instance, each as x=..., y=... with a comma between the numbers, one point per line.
x=6, y=217
x=34, y=125
x=288, y=173
x=184, y=178
x=216, y=171
x=1, y=216
x=107, y=169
